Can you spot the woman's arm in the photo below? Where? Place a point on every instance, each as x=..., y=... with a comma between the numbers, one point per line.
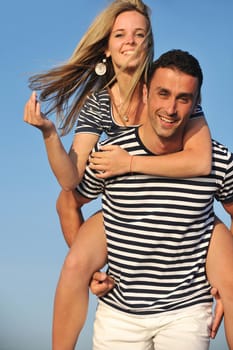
x=194, y=160
x=68, y=169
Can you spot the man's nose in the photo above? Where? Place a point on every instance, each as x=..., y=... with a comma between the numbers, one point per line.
x=171, y=107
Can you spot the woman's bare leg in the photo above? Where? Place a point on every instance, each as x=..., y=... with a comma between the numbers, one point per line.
x=219, y=268
x=70, y=215
x=87, y=254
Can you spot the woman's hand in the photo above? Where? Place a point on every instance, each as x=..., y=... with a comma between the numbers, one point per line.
x=110, y=161
x=34, y=116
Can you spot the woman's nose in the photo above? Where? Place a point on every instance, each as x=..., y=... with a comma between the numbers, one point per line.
x=130, y=39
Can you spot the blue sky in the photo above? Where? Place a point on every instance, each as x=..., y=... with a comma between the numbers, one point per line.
x=35, y=37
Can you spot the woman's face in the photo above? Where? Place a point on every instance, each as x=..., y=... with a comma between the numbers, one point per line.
x=126, y=45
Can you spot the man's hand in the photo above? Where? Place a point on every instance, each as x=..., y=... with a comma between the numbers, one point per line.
x=218, y=313
x=101, y=283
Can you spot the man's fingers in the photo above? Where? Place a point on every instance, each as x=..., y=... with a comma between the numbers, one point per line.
x=216, y=324
x=99, y=276
x=101, y=284
x=214, y=292
x=218, y=313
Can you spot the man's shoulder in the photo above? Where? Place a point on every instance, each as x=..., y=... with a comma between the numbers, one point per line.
x=218, y=146
x=221, y=152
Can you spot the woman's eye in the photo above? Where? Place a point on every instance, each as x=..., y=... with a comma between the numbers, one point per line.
x=140, y=35
x=118, y=35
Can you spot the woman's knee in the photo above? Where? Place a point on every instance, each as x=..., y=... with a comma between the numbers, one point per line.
x=66, y=201
x=76, y=266
x=88, y=253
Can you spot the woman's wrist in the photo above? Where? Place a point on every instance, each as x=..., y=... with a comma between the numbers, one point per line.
x=131, y=164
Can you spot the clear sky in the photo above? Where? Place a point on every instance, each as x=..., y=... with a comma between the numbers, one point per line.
x=36, y=36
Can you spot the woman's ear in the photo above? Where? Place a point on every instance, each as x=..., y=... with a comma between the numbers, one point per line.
x=107, y=53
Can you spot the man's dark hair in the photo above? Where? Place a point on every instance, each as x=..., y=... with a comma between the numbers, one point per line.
x=180, y=60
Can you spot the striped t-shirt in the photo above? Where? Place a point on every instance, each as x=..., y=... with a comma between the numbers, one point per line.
x=158, y=231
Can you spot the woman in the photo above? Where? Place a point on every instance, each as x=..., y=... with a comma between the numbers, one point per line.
x=120, y=39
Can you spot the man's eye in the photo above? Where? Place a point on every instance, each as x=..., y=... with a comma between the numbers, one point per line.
x=184, y=99
x=163, y=93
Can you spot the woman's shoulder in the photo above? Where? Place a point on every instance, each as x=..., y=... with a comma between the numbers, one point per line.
x=95, y=115
x=101, y=96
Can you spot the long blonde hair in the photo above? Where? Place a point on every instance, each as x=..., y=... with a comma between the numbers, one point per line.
x=66, y=87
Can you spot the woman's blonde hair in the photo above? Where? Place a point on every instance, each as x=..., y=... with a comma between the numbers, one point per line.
x=66, y=87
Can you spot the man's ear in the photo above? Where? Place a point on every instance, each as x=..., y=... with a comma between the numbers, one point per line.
x=145, y=94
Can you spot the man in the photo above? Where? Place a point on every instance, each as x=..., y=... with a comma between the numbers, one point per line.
x=158, y=229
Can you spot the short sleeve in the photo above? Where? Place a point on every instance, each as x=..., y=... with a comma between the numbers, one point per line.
x=225, y=191
x=91, y=186
x=89, y=120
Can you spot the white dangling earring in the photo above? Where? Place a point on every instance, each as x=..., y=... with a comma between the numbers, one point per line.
x=101, y=67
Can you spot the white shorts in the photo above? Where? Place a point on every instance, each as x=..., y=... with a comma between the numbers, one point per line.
x=186, y=329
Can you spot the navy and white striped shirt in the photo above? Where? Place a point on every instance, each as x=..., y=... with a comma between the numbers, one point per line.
x=158, y=231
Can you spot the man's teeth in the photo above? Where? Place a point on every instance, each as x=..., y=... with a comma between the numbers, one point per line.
x=166, y=120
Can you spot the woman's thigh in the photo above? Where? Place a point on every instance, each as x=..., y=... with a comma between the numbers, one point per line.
x=219, y=263
x=89, y=250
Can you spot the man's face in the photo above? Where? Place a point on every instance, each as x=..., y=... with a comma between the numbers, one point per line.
x=171, y=99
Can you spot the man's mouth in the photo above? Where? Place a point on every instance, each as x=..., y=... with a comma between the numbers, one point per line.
x=166, y=119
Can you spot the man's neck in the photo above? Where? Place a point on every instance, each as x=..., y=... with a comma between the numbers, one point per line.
x=158, y=145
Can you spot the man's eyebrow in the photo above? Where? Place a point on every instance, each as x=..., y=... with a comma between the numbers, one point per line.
x=180, y=95
x=186, y=94
x=159, y=88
